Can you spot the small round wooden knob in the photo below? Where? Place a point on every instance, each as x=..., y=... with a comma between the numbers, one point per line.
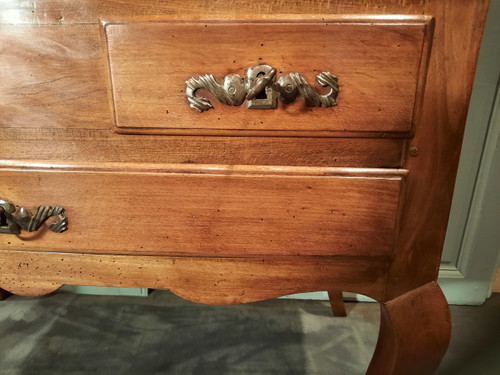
x=413, y=151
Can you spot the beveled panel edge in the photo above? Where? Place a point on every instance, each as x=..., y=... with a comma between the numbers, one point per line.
x=61, y=12
x=392, y=19
x=204, y=169
x=422, y=73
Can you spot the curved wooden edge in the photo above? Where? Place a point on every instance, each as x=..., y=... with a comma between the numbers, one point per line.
x=415, y=330
x=32, y=289
x=206, y=280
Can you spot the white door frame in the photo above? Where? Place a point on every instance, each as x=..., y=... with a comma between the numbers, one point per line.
x=472, y=244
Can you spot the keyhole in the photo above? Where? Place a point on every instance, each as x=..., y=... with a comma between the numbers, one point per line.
x=260, y=87
x=3, y=218
x=262, y=94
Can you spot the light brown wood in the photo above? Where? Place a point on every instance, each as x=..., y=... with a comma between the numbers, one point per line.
x=62, y=100
x=46, y=95
x=149, y=63
x=415, y=330
x=199, y=279
x=210, y=210
x=58, y=146
x=60, y=12
x=64, y=88
x=105, y=146
x=337, y=303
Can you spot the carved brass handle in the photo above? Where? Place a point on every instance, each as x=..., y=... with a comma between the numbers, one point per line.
x=261, y=90
x=12, y=221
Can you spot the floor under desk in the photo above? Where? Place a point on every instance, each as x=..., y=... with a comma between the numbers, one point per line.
x=164, y=334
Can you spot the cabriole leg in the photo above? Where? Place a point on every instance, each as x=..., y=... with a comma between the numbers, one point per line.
x=415, y=330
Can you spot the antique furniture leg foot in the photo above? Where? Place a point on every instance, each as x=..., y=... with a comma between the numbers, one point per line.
x=415, y=330
x=337, y=303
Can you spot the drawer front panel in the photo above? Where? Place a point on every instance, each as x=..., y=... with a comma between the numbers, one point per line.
x=211, y=211
x=149, y=63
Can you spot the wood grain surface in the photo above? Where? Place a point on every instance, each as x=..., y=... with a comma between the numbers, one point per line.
x=199, y=279
x=161, y=196
x=52, y=77
x=209, y=210
x=149, y=63
x=53, y=92
x=88, y=145
x=76, y=118
x=61, y=12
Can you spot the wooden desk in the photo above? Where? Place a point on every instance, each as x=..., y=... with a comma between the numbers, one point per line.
x=233, y=204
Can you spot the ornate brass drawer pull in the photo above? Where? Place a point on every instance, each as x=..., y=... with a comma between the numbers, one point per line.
x=261, y=90
x=12, y=221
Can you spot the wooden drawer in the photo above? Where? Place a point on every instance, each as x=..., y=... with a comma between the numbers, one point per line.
x=150, y=61
x=211, y=210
